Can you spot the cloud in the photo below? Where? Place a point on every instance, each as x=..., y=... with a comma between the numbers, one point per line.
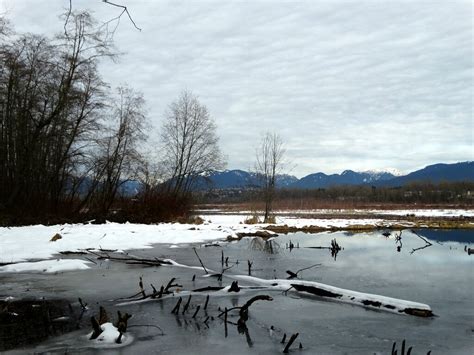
x=354, y=85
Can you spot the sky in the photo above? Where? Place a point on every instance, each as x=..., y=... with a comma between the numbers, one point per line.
x=347, y=84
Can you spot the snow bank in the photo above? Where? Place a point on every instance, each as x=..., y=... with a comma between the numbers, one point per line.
x=34, y=242
x=46, y=266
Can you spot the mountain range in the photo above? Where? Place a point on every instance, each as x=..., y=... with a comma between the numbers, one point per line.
x=463, y=171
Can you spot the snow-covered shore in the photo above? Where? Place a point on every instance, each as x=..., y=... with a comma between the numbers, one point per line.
x=33, y=243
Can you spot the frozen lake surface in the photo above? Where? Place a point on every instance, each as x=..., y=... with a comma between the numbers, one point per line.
x=440, y=275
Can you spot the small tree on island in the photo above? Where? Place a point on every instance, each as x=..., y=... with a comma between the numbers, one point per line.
x=269, y=163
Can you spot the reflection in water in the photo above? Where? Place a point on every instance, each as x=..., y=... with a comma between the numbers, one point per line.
x=428, y=244
x=269, y=246
x=464, y=236
x=398, y=240
x=335, y=248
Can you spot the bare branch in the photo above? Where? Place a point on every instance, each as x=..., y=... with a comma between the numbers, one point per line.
x=68, y=14
x=125, y=10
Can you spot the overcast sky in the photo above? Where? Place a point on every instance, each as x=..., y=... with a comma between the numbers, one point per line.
x=348, y=85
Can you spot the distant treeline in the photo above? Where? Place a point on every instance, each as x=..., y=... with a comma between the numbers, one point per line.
x=447, y=193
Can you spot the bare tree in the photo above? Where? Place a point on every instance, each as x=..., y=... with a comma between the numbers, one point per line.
x=190, y=143
x=269, y=163
x=50, y=98
x=119, y=158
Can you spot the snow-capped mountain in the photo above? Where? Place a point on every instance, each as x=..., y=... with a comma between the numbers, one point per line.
x=375, y=172
x=239, y=179
x=386, y=177
x=347, y=177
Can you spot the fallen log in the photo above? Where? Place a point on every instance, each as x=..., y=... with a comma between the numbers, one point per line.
x=102, y=255
x=367, y=300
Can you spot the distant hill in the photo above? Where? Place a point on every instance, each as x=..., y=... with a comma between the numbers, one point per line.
x=347, y=177
x=238, y=179
x=435, y=174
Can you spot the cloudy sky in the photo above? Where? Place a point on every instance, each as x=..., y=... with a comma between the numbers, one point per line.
x=348, y=85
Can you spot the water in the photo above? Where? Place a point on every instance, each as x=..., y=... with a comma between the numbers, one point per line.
x=440, y=275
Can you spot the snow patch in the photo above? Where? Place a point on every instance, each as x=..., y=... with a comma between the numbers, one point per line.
x=109, y=336
x=47, y=266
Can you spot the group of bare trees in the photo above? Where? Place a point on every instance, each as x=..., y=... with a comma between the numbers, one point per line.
x=51, y=108
x=68, y=143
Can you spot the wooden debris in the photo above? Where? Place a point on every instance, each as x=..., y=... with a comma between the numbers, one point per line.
x=195, y=251
x=234, y=287
x=186, y=306
x=196, y=312
x=122, y=321
x=103, y=317
x=103, y=254
x=56, y=237
x=225, y=322
x=70, y=252
x=244, y=310
x=176, y=308
x=366, y=300
x=427, y=243
x=290, y=342
x=402, y=350
x=295, y=274
x=83, y=305
x=96, y=329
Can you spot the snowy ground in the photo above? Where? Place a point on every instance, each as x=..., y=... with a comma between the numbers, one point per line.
x=358, y=212
x=33, y=243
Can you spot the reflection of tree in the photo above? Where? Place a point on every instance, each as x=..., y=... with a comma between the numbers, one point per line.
x=428, y=244
x=398, y=240
x=268, y=246
x=335, y=248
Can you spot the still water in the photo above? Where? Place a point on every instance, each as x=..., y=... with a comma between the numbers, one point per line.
x=426, y=266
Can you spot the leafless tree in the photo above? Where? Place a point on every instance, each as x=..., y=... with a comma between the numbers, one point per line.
x=50, y=98
x=190, y=143
x=118, y=156
x=269, y=163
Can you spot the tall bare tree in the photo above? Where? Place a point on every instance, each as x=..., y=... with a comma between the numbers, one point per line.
x=190, y=143
x=119, y=157
x=269, y=163
x=50, y=97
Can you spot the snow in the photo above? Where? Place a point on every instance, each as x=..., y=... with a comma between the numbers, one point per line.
x=28, y=243
x=47, y=266
x=397, y=212
x=392, y=171
x=290, y=221
x=347, y=296
x=109, y=335
x=387, y=304
x=33, y=242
